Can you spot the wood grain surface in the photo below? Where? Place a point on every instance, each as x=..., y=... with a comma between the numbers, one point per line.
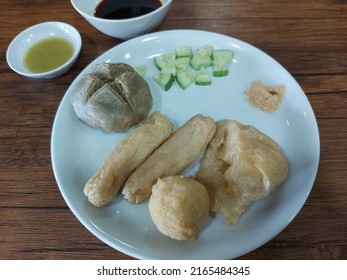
x=309, y=38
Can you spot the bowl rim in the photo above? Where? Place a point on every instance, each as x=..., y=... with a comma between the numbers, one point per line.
x=90, y=17
x=77, y=43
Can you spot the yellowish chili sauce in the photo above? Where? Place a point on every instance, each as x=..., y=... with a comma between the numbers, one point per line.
x=48, y=54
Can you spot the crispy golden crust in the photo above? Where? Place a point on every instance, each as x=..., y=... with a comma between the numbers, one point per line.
x=127, y=155
x=179, y=207
x=240, y=165
x=171, y=158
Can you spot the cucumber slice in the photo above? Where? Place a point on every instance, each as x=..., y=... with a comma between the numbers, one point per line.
x=202, y=57
x=203, y=78
x=182, y=63
x=141, y=70
x=165, y=60
x=223, y=56
x=179, y=64
x=169, y=70
x=220, y=71
x=205, y=51
x=185, y=78
x=221, y=61
x=200, y=61
x=164, y=80
x=183, y=51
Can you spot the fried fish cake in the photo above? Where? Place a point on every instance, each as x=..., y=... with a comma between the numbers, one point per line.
x=179, y=207
x=241, y=165
x=134, y=148
x=171, y=158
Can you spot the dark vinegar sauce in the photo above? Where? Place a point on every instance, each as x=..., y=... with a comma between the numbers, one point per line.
x=124, y=9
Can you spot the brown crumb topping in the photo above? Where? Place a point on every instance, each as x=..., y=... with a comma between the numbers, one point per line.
x=266, y=98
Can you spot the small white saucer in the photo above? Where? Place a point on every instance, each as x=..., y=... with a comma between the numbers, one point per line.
x=27, y=38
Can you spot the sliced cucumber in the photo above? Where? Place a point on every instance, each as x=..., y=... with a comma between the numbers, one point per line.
x=202, y=57
x=179, y=65
x=141, y=70
x=203, y=78
x=164, y=80
x=220, y=71
x=205, y=51
x=171, y=69
x=185, y=78
x=182, y=63
x=221, y=61
x=199, y=61
x=183, y=51
x=165, y=60
x=223, y=55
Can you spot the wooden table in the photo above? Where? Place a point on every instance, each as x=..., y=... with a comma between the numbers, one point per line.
x=309, y=38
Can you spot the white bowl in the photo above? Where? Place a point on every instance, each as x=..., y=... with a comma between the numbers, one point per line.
x=23, y=41
x=123, y=28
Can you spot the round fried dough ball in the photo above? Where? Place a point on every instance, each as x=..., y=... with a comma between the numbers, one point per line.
x=179, y=207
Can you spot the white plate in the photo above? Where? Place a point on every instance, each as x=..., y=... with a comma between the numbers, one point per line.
x=78, y=150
